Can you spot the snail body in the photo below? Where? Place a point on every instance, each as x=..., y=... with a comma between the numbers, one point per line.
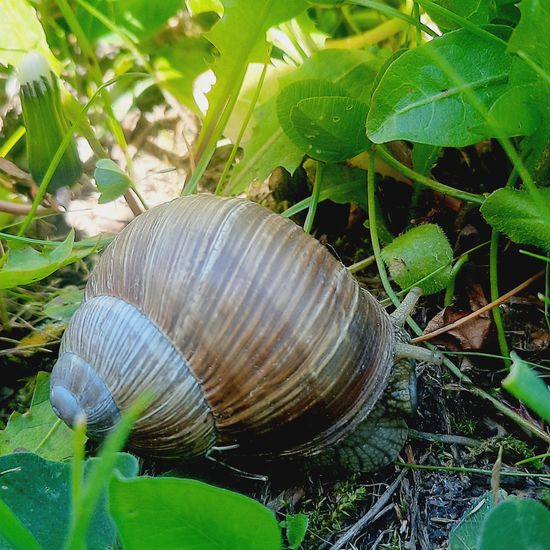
x=247, y=331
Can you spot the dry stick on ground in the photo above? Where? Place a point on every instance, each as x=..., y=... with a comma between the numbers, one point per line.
x=480, y=311
x=371, y=514
x=22, y=209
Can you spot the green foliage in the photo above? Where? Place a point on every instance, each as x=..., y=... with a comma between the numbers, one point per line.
x=420, y=257
x=38, y=492
x=110, y=179
x=169, y=512
x=296, y=528
x=518, y=215
x=465, y=534
x=25, y=265
x=524, y=384
x=516, y=524
x=139, y=18
x=38, y=430
x=351, y=71
x=320, y=119
x=21, y=32
x=476, y=11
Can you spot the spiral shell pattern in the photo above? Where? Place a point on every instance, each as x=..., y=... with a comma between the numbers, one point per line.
x=248, y=331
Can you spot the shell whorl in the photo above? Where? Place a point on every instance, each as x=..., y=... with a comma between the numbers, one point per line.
x=288, y=352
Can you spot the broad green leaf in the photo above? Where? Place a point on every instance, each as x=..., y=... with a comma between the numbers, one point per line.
x=322, y=120
x=188, y=514
x=38, y=492
x=269, y=145
x=111, y=180
x=38, y=430
x=465, y=533
x=296, y=528
x=21, y=32
x=530, y=37
x=516, y=524
x=25, y=265
x=516, y=214
x=423, y=251
x=416, y=100
x=330, y=128
x=526, y=386
x=476, y=11
x=140, y=18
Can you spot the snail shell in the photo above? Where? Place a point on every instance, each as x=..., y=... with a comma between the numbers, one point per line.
x=248, y=331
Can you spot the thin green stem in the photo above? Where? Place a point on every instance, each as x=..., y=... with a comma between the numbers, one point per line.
x=362, y=264
x=4, y=316
x=428, y=182
x=48, y=436
x=77, y=473
x=242, y=130
x=308, y=224
x=371, y=200
x=416, y=16
x=542, y=456
x=11, y=141
x=392, y=12
x=89, y=52
x=450, y=290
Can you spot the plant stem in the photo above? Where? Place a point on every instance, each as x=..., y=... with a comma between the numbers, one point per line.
x=362, y=264
x=372, y=36
x=308, y=224
x=450, y=290
x=242, y=130
x=428, y=182
x=11, y=141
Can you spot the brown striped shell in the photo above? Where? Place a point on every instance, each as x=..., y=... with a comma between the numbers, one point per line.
x=245, y=328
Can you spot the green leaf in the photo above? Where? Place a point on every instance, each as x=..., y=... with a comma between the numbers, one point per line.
x=525, y=385
x=296, y=529
x=269, y=147
x=14, y=532
x=38, y=492
x=25, y=265
x=465, y=533
x=111, y=180
x=530, y=38
x=21, y=32
x=38, y=430
x=424, y=156
x=188, y=514
x=515, y=213
x=140, y=18
x=416, y=100
x=516, y=524
x=322, y=120
x=423, y=251
x=476, y=11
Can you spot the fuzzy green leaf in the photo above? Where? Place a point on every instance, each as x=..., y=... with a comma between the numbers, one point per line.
x=519, y=216
x=111, y=180
x=516, y=524
x=418, y=253
x=38, y=430
x=296, y=528
x=188, y=514
x=416, y=100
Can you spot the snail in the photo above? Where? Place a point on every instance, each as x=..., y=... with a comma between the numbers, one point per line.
x=252, y=337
